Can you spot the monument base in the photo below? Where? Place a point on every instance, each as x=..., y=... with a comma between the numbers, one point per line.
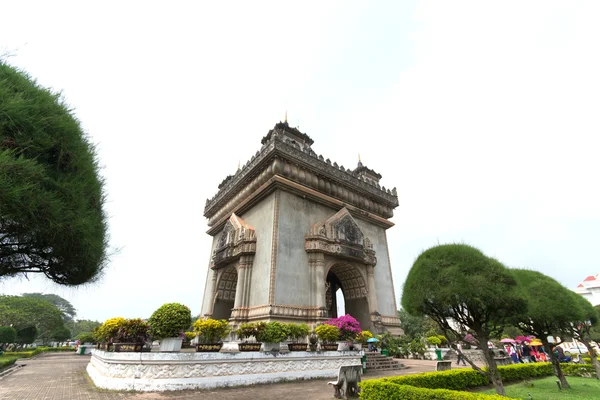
x=179, y=371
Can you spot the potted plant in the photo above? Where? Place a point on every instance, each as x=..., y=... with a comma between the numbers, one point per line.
x=187, y=341
x=433, y=341
x=131, y=335
x=361, y=340
x=167, y=323
x=211, y=333
x=313, y=340
x=107, y=332
x=349, y=327
x=296, y=333
x=273, y=334
x=250, y=330
x=328, y=335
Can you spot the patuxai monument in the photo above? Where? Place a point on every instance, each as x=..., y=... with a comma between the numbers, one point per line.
x=289, y=229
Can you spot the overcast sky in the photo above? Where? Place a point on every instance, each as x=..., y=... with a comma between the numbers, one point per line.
x=484, y=115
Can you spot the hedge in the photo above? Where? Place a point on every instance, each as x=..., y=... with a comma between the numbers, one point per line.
x=374, y=390
x=457, y=380
x=28, y=353
x=7, y=361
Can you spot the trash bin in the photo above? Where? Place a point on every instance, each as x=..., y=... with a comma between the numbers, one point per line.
x=81, y=350
x=363, y=360
x=438, y=353
x=385, y=352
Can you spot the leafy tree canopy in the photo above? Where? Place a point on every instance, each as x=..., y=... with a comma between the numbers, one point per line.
x=51, y=197
x=65, y=307
x=23, y=312
x=462, y=289
x=61, y=334
x=82, y=325
x=8, y=334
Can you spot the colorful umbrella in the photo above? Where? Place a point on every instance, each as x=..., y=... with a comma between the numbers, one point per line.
x=372, y=340
x=536, y=342
x=508, y=340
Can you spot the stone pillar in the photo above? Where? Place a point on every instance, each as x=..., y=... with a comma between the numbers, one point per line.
x=246, y=263
x=371, y=287
x=317, y=265
x=239, y=288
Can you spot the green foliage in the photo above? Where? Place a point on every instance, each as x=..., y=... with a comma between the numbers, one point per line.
x=251, y=329
x=371, y=390
x=327, y=333
x=443, y=340
x=23, y=312
x=274, y=332
x=51, y=195
x=169, y=320
x=134, y=330
x=363, y=337
x=8, y=334
x=27, y=335
x=65, y=307
x=7, y=361
x=85, y=337
x=434, y=340
x=61, y=334
x=211, y=330
x=298, y=331
x=546, y=389
x=82, y=325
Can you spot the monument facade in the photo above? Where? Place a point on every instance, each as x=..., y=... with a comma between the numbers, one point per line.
x=289, y=229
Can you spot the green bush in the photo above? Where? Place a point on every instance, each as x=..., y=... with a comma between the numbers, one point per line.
x=274, y=332
x=86, y=337
x=459, y=379
x=7, y=361
x=298, y=332
x=392, y=391
x=327, y=333
x=169, y=320
x=132, y=331
x=8, y=334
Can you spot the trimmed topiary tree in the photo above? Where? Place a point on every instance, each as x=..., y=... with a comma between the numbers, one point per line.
x=169, y=321
x=8, y=334
x=457, y=282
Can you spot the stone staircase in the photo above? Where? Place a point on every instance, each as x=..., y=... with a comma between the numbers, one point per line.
x=377, y=361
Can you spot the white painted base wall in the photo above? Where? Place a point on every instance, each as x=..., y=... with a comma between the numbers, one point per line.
x=178, y=371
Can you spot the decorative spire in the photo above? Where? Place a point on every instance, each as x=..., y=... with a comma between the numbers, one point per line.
x=285, y=117
x=238, y=170
x=359, y=162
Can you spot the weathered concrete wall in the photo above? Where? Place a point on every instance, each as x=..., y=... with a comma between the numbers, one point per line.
x=296, y=216
x=260, y=217
x=386, y=303
x=178, y=371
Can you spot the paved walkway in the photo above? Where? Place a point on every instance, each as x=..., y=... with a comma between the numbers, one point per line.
x=55, y=376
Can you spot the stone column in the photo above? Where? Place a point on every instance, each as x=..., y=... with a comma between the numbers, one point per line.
x=239, y=288
x=317, y=264
x=371, y=287
x=247, y=262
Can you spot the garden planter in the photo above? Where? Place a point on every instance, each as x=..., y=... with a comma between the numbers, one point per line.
x=343, y=346
x=313, y=347
x=254, y=346
x=271, y=346
x=170, y=344
x=127, y=347
x=104, y=346
x=297, y=346
x=329, y=346
x=209, y=347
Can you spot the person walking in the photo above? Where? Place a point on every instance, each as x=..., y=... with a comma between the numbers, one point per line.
x=526, y=351
x=459, y=355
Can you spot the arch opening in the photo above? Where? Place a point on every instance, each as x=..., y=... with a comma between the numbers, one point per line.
x=349, y=280
x=225, y=294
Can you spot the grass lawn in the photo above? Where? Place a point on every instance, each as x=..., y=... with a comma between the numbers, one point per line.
x=547, y=389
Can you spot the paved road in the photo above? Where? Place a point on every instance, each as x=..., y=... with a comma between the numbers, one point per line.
x=55, y=376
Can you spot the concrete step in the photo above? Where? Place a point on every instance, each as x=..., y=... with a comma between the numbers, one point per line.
x=379, y=362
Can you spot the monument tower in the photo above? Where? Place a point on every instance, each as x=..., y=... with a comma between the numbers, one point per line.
x=289, y=229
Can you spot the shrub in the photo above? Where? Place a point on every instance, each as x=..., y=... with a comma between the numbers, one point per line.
x=327, y=333
x=8, y=334
x=390, y=391
x=349, y=327
x=251, y=329
x=107, y=332
x=132, y=331
x=169, y=320
x=274, y=332
x=298, y=331
x=434, y=340
x=363, y=337
x=211, y=330
x=86, y=337
x=7, y=361
x=189, y=336
x=443, y=339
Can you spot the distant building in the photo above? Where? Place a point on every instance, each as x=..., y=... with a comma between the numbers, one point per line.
x=590, y=289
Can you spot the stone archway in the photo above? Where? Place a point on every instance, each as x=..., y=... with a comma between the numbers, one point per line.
x=351, y=281
x=339, y=254
x=224, y=300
